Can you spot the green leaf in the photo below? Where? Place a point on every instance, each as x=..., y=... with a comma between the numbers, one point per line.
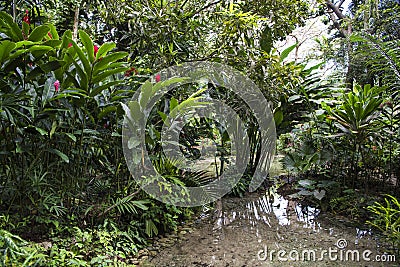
x=312, y=68
x=133, y=142
x=40, y=48
x=10, y=27
x=34, y=73
x=294, y=98
x=105, y=111
x=41, y=131
x=115, y=134
x=71, y=136
x=278, y=117
x=38, y=129
x=319, y=194
x=305, y=193
x=141, y=204
x=60, y=154
x=84, y=79
x=53, y=32
x=67, y=36
x=151, y=228
x=24, y=43
x=355, y=37
x=82, y=57
x=104, y=63
x=266, y=41
x=88, y=43
x=47, y=91
x=173, y=104
x=108, y=73
x=39, y=33
x=104, y=49
x=51, y=66
x=169, y=82
x=163, y=117
x=5, y=48
x=99, y=89
x=134, y=109
x=53, y=43
x=285, y=53
x=25, y=28
x=53, y=128
x=307, y=183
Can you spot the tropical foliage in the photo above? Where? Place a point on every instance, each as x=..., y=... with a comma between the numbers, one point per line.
x=68, y=70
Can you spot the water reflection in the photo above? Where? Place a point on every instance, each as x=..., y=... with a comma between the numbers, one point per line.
x=362, y=234
x=261, y=209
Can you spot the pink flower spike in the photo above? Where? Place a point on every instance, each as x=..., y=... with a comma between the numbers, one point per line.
x=57, y=85
x=158, y=78
x=96, y=49
x=26, y=18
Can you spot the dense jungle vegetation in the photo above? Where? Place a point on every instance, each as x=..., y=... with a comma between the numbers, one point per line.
x=68, y=69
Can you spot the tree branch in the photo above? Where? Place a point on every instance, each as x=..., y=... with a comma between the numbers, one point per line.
x=335, y=9
x=339, y=5
x=336, y=15
x=202, y=9
x=183, y=4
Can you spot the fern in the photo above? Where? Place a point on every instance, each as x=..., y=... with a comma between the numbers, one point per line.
x=15, y=251
x=151, y=228
x=127, y=205
x=98, y=188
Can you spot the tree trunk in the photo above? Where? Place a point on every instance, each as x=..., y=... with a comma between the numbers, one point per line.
x=349, y=73
x=337, y=17
x=14, y=10
x=76, y=23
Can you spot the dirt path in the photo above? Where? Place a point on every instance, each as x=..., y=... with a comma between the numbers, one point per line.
x=250, y=231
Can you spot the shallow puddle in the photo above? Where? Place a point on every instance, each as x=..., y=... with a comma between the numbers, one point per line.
x=265, y=229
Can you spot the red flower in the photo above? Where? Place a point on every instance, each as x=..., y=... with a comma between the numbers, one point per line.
x=26, y=18
x=158, y=78
x=57, y=85
x=69, y=45
x=50, y=35
x=96, y=49
x=386, y=103
x=129, y=72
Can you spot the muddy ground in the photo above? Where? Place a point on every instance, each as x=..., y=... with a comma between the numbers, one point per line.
x=250, y=231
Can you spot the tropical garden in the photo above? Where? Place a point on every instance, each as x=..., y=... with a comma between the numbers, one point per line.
x=68, y=70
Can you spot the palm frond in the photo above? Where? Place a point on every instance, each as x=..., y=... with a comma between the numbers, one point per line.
x=127, y=204
x=383, y=58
